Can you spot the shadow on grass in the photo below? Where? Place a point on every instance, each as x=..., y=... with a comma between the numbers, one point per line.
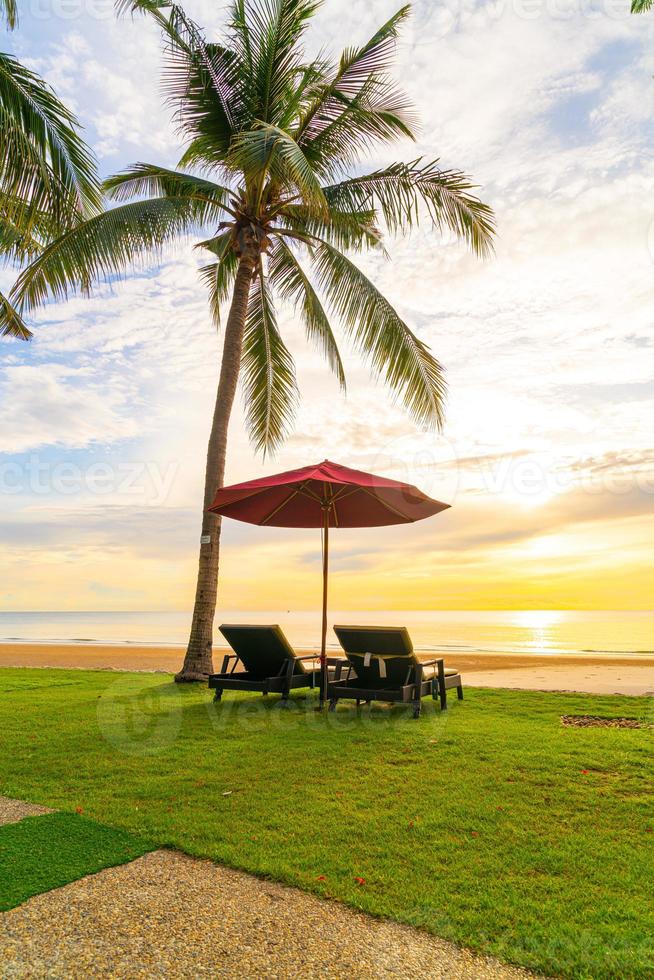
x=140, y=717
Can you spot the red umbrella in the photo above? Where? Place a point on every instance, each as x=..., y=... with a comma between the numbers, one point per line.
x=326, y=495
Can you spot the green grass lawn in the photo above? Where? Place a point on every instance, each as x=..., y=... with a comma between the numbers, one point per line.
x=40, y=853
x=491, y=824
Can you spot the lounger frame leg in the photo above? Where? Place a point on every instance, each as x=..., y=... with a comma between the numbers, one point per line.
x=417, y=703
x=459, y=692
x=441, y=685
x=218, y=694
x=286, y=690
x=332, y=704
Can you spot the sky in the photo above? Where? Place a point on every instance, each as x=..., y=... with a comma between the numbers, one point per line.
x=547, y=455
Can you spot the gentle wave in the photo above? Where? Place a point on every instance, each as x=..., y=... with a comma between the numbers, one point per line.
x=507, y=649
x=63, y=641
x=547, y=633
x=633, y=653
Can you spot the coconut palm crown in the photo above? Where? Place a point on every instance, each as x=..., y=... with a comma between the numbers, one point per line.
x=273, y=142
x=47, y=175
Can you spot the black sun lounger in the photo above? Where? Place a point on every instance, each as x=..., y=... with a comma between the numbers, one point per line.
x=268, y=662
x=383, y=667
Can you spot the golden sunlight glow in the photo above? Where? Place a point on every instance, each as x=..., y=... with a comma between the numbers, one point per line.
x=536, y=619
x=527, y=497
x=547, y=546
x=475, y=563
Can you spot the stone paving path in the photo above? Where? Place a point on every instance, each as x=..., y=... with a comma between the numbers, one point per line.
x=11, y=811
x=169, y=915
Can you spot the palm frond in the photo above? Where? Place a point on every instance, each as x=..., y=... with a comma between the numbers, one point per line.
x=203, y=81
x=308, y=79
x=9, y=13
x=11, y=322
x=149, y=180
x=206, y=153
x=168, y=15
x=357, y=105
x=268, y=372
x=398, y=191
x=219, y=277
x=641, y=6
x=274, y=29
x=402, y=359
x=357, y=66
x=23, y=219
x=205, y=87
x=152, y=7
x=352, y=229
x=380, y=113
x=43, y=161
x=241, y=41
x=296, y=236
x=270, y=150
x=17, y=244
x=291, y=282
x=107, y=245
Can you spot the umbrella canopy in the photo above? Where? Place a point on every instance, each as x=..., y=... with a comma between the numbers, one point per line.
x=300, y=498
x=325, y=495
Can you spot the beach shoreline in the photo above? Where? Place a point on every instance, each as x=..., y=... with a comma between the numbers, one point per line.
x=606, y=674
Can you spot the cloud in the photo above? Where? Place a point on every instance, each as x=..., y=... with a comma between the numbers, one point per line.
x=550, y=108
x=110, y=531
x=50, y=405
x=109, y=72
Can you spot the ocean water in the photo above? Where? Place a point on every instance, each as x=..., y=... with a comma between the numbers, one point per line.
x=527, y=632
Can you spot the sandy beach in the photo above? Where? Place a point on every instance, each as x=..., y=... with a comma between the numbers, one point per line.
x=595, y=675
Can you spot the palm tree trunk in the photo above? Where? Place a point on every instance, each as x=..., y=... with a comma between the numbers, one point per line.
x=198, y=662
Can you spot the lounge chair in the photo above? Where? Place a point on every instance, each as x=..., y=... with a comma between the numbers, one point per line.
x=268, y=663
x=383, y=667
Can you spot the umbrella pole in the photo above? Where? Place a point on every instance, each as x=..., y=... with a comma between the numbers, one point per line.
x=323, y=641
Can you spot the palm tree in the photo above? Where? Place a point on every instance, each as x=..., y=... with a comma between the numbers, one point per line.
x=272, y=140
x=47, y=175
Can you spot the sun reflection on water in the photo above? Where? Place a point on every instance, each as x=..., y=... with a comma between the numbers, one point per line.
x=538, y=627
